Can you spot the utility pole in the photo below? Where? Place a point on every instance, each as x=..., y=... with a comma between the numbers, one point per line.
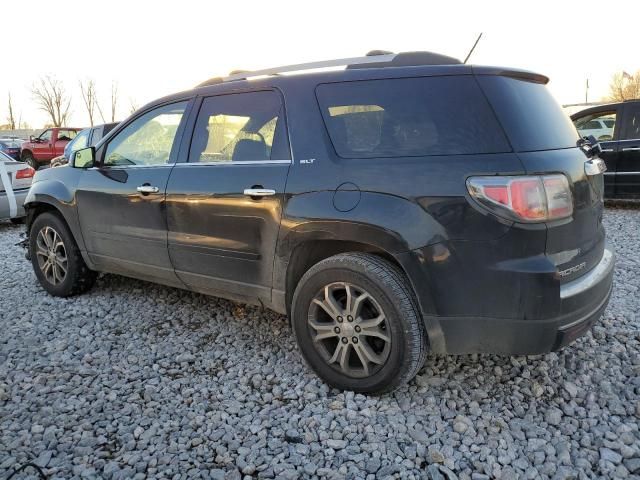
x=586, y=92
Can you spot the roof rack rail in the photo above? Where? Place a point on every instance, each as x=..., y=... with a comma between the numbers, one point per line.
x=374, y=59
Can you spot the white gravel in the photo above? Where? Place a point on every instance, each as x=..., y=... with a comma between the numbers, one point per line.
x=137, y=380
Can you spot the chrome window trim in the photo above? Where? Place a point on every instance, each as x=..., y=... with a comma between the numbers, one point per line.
x=123, y=167
x=591, y=278
x=239, y=162
x=622, y=173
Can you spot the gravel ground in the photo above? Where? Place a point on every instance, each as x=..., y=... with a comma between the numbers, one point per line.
x=137, y=380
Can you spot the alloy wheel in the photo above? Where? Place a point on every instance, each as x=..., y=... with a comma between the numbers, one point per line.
x=52, y=255
x=349, y=329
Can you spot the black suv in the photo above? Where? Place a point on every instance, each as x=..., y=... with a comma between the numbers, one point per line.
x=406, y=204
x=617, y=127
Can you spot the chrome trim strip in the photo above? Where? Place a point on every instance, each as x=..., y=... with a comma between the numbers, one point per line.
x=591, y=278
x=121, y=167
x=607, y=150
x=631, y=149
x=627, y=173
x=231, y=163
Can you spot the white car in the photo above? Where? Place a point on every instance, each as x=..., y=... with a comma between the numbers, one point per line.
x=601, y=128
x=15, y=180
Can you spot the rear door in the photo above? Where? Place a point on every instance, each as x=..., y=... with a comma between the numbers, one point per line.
x=64, y=137
x=42, y=148
x=224, y=205
x=628, y=169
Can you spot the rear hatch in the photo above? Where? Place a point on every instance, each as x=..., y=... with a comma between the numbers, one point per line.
x=545, y=139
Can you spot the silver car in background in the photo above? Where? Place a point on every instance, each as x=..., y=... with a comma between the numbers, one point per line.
x=15, y=180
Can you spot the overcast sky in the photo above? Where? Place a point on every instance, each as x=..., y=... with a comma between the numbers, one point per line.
x=155, y=48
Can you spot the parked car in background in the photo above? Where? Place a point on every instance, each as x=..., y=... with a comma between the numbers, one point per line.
x=88, y=137
x=600, y=128
x=49, y=144
x=620, y=145
x=15, y=180
x=10, y=147
x=406, y=204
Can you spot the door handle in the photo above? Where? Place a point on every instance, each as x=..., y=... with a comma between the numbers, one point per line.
x=259, y=192
x=148, y=189
x=631, y=149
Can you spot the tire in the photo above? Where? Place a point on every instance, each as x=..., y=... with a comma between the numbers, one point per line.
x=27, y=157
x=373, y=284
x=77, y=278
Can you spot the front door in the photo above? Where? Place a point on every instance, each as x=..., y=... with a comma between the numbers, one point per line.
x=42, y=148
x=628, y=171
x=121, y=201
x=224, y=204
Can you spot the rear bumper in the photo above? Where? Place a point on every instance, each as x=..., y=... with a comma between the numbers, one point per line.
x=581, y=303
x=5, y=205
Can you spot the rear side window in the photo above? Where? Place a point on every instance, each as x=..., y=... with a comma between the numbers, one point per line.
x=240, y=127
x=530, y=115
x=409, y=117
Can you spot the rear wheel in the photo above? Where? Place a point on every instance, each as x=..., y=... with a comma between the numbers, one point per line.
x=56, y=259
x=357, y=323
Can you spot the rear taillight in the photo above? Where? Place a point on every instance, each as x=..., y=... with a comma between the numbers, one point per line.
x=25, y=173
x=524, y=198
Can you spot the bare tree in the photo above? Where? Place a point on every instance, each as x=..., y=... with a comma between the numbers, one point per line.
x=624, y=86
x=11, y=116
x=133, y=105
x=53, y=99
x=114, y=100
x=88, y=90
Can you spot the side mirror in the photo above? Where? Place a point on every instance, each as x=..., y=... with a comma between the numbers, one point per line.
x=84, y=158
x=33, y=139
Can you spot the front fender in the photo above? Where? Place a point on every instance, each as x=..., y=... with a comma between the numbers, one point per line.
x=55, y=189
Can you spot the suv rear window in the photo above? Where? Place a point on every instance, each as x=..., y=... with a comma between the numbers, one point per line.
x=530, y=115
x=409, y=117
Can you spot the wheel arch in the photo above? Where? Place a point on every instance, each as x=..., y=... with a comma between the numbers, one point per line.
x=301, y=248
x=54, y=196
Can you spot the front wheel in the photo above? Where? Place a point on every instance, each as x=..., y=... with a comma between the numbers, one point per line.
x=357, y=323
x=56, y=259
x=27, y=157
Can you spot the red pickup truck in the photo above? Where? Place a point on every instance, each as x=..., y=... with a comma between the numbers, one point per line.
x=49, y=144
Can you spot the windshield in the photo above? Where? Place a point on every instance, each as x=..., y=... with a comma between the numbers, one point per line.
x=529, y=114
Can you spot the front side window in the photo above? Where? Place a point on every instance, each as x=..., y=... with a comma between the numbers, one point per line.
x=601, y=125
x=80, y=141
x=410, y=117
x=239, y=127
x=46, y=136
x=148, y=140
